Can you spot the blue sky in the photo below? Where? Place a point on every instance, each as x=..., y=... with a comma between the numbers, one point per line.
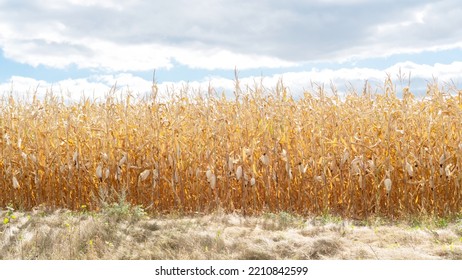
x=88, y=45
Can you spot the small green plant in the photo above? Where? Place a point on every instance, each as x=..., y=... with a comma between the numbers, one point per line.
x=442, y=223
x=9, y=216
x=83, y=208
x=415, y=223
x=138, y=211
x=326, y=218
x=282, y=220
x=124, y=210
x=287, y=220
x=219, y=240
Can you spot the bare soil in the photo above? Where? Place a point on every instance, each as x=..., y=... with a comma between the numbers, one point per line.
x=118, y=234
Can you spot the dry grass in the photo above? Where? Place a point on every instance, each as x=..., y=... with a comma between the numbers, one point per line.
x=117, y=234
x=262, y=151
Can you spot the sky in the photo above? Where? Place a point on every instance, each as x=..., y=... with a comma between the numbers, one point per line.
x=84, y=47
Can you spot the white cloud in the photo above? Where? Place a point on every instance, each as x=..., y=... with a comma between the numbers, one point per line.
x=143, y=35
x=443, y=72
x=53, y=51
x=98, y=86
x=228, y=60
x=111, y=4
x=24, y=88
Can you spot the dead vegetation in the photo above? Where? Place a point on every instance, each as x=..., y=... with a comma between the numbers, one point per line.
x=252, y=165
x=45, y=234
x=368, y=153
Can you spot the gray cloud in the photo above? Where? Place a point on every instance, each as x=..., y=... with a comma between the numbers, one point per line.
x=293, y=31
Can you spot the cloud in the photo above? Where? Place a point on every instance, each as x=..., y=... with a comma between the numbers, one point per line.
x=344, y=79
x=140, y=35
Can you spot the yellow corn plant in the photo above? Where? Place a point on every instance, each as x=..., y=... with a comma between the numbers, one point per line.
x=263, y=150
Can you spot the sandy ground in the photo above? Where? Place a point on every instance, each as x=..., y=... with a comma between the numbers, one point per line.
x=117, y=234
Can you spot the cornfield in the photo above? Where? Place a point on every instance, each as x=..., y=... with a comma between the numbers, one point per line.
x=261, y=150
